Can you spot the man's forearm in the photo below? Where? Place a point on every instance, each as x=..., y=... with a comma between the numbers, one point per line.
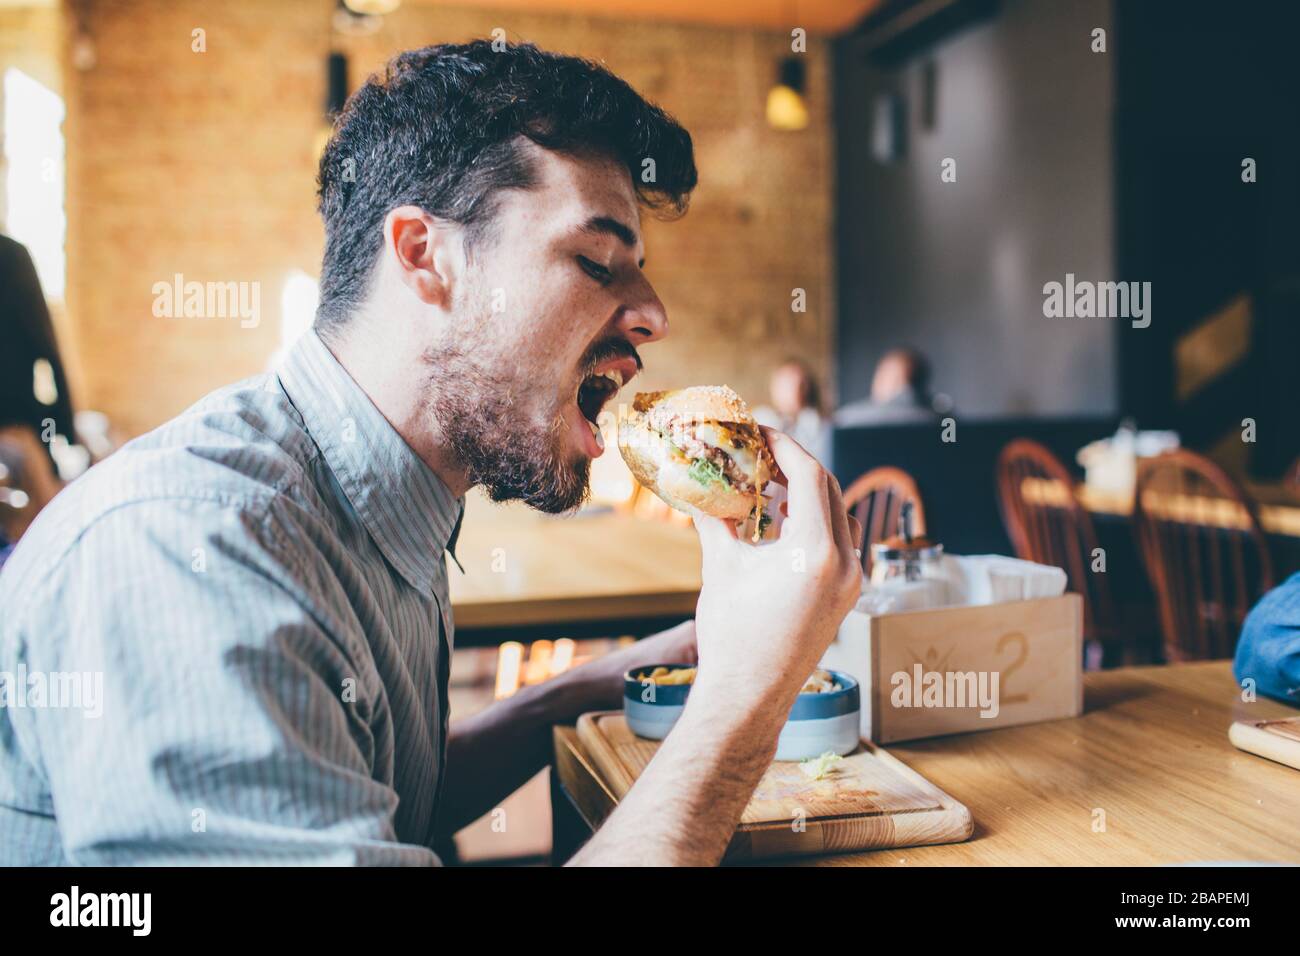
x=496, y=751
x=685, y=806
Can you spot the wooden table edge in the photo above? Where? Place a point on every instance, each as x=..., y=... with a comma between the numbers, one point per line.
x=503, y=613
x=590, y=796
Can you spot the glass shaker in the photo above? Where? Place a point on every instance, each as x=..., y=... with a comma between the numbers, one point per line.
x=909, y=568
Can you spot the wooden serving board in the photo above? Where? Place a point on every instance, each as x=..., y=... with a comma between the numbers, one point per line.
x=1275, y=739
x=870, y=801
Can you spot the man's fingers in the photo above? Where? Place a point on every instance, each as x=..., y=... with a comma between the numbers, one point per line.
x=839, y=517
x=806, y=499
x=855, y=533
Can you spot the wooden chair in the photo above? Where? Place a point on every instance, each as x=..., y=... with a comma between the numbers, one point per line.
x=876, y=500
x=1047, y=525
x=1204, y=551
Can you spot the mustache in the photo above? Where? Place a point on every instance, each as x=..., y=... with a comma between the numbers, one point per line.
x=607, y=349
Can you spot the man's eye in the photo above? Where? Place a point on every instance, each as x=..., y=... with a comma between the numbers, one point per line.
x=595, y=270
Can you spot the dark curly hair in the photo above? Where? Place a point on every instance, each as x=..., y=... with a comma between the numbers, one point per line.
x=443, y=128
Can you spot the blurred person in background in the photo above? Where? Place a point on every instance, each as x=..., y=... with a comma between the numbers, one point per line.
x=797, y=408
x=900, y=393
x=34, y=400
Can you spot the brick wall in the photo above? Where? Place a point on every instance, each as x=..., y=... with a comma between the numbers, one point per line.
x=203, y=164
x=29, y=40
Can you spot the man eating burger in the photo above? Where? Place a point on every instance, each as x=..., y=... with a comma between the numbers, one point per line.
x=261, y=581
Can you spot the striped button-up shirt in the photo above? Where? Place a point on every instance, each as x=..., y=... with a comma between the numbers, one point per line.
x=229, y=642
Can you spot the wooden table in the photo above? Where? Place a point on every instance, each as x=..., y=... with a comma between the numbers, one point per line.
x=530, y=575
x=1151, y=751
x=1277, y=504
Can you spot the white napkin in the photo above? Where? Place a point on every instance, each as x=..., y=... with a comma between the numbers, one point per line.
x=922, y=594
x=995, y=578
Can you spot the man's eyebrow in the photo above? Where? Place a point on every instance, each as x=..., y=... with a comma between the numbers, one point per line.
x=611, y=225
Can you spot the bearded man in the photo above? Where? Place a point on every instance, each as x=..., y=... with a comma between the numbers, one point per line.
x=261, y=581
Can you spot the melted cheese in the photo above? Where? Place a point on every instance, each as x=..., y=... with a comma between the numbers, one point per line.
x=714, y=434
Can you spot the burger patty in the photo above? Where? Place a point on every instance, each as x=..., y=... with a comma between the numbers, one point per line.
x=694, y=448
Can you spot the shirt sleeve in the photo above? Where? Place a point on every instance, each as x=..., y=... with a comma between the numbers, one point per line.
x=234, y=722
x=1269, y=648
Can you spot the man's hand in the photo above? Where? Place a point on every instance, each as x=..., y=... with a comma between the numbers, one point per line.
x=766, y=614
x=603, y=677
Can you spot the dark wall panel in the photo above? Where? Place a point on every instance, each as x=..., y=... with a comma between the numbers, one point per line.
x=957, y=269
x=1201, y=86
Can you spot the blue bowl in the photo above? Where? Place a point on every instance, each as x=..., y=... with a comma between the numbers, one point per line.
x=817, y=722
x=822, y=722
x=652, y=709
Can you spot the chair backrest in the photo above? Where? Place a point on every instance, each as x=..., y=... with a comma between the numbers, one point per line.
x=1047, y=525
x=876, y=499
x=1203, y=550
x=954, y=465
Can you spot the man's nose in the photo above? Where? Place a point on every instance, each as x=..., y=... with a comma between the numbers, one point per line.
x=643, y=318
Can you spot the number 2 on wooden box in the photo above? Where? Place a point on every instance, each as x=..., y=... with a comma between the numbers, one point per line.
x=1006, y=640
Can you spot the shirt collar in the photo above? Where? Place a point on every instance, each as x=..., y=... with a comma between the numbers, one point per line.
x=405, y=507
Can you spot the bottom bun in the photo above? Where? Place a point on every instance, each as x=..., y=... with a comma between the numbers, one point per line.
x=659, y=466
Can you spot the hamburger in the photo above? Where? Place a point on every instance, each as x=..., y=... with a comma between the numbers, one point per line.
x=699, y=448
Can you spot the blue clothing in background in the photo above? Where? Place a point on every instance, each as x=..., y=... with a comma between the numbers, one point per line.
x=1269, y=649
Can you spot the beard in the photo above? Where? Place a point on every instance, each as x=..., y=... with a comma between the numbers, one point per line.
x=513, y=456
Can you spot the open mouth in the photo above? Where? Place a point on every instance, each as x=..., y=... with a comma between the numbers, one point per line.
x=595, y=392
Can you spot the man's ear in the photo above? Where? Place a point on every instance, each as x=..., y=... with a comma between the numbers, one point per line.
x=427, y=253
